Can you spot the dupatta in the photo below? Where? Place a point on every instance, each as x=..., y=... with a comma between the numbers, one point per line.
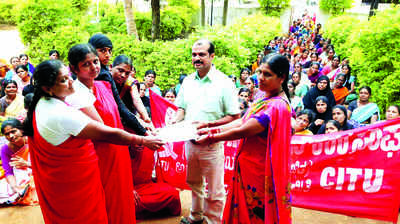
x=361, y=114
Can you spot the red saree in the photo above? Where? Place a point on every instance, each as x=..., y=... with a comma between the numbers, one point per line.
x=67, y=180
x=114, y=161
x=154, y=197
x=260, y=187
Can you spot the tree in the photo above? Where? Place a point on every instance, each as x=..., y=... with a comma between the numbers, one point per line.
x=155, y=14
x=129, y=19
x=335, y=7
x=203, y=12
x=273, y=7
x=225, y=15
x=373, y=8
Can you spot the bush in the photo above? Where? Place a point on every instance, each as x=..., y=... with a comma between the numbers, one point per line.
x=192, y=5
x=175, y=23
x=339, y=29
x=335, y=7
x=236, y=45
x=379, y=43
x=372, y=48
x=112, y=18
x=274, y=7
x=61, y=39
x=81, y=5
x=40, y=16
x=7, y=12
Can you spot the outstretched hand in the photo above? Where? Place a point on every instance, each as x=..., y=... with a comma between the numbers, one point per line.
x=203, y=131
x=152, y=142
x=203, y=140
x=200, y=125
x=19, y=162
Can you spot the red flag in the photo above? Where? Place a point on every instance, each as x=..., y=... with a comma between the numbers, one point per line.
x=172, y=163
x=354, y=172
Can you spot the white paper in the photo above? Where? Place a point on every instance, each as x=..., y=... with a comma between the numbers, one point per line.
x=178, y=132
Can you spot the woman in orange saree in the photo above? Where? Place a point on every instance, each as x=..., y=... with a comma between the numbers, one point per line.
x=16, y=186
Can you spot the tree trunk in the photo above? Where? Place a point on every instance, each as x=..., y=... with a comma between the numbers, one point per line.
x=130, y=19
x=373, y=8
x=203, y=13
x=225, y=15
x=155, y=26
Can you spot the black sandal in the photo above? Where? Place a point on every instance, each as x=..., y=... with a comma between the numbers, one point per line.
x=187, y=220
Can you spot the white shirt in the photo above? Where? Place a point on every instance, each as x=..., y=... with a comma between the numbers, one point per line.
x=82, y=97
x=56, y=121
x=209, y=98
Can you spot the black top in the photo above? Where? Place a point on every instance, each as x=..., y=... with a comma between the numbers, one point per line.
x=146, y=104
x=346, y=126
x=128, y=118
x=311, y=96
x=126, y=98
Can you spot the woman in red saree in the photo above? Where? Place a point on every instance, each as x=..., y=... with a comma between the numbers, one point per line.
x=114, y=160
x=153, y=197
x=260, y=189
x=64, y=161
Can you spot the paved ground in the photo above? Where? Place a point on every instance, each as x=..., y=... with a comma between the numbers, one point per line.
x=10, y=42
x=33, y=215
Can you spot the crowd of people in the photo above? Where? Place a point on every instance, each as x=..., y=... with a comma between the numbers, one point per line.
x=80, y=151
x=321, y=85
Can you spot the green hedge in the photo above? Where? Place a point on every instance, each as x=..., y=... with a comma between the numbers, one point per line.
x=36, y=17
x=175, y=21
x=59, y=24
x=7, y=12
x=274, y=7
x=39, y=16
x=335, y=7
x=61, y=39
x=236, y=46
x=339, y=29
x=373, y=50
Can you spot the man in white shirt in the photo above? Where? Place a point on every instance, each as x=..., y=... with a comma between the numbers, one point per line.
x=207, y=97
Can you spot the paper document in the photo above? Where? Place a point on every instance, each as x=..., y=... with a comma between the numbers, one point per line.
x=178, y=132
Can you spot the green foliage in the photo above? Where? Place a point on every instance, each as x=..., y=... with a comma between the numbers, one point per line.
x=335, y=7
x=192, y=5
x=143, y=25
x=373, y=50
x=61, y=39
x=339, y=29
x=274, y=7
x=81, y=5
x=7, y=12
x=175, y=21
x=112, y=18
x=38, y=16
x=236, y=45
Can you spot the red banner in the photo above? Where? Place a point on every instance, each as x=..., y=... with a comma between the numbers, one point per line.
x=355, y=172
x=171, y=163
